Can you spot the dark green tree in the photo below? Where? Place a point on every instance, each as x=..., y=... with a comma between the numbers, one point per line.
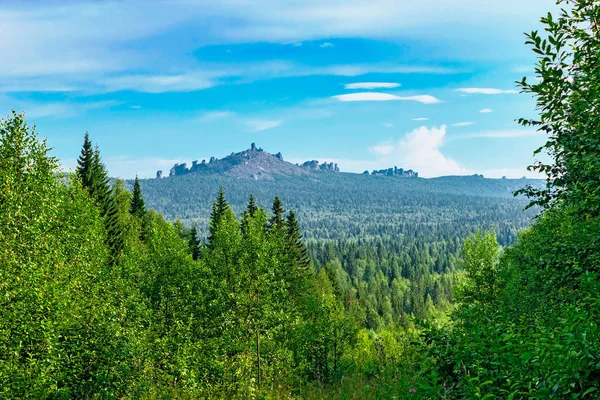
x=219, y=209
x=296, y=248
x=85, y=162
x=194, y=243
x=277, y=219
x=94, y=177
x=138, y=208
x=251, y=206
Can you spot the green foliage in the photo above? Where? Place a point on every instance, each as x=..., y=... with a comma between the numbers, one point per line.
x=138, y=208
x=528, y=326
x=481, y=254
x=567, y=94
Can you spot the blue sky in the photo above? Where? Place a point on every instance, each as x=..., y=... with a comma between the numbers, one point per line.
x=425, y=85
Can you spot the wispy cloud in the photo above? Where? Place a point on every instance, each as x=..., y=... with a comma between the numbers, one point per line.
x=324, y=45
x=387, y=124
x=62, y=110
x=376, y=96
x=210, y=116
x=485, y=91
x=161, y=83
x=486, y=111
x=371, y=85
x=466, y=123
x=135, y=107
x=420, y=119
x=514, y=133
x=258, y=125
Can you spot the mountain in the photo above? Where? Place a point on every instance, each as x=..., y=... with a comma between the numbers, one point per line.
x=342, y=205
x=253, y=163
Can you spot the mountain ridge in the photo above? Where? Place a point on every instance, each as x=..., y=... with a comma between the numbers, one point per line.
x=255, y=163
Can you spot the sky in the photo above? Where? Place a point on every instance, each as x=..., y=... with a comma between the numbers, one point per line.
x=426, y=85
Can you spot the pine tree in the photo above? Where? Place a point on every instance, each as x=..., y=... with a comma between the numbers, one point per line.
x=194, y=243
x=138, y=208
x=294, y=242
x=219, y=209
x=298, y=265
x=248, y=214
x=277, y=220
x=94, y=178
x=85, y=162
x=251, y=206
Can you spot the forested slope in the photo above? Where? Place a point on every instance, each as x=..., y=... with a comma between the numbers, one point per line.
x=341, y=205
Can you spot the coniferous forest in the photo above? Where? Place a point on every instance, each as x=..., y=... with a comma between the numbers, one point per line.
x=121, y=290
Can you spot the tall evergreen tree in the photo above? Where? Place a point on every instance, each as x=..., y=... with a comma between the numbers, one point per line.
x=295, y=246
x=138, y=208
x=277, y=219
x=219, y=209
x=249, y=213
x=251, y=206
x=94, y=178
x=194, y=243
x=85, y=162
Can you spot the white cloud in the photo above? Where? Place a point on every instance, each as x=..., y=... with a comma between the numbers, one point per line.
x=419, y=150
x=466, y=123
x=160, y=83
x=500, y=134
x=387, y=124
x=135, y=107
x=61, y=110
x=258, y=125
x=382, y=149
x=425, y=99
x=486, y=111
x=485, y=91
x=210, y=116
x=420, y=119
x=371, y=85
x=326, y=44
x=376, y=96
x=58, y=44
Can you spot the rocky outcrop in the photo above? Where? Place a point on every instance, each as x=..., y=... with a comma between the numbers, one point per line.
x=159, y=174
x=314, y=165
x=251, y=163
x=408, y=173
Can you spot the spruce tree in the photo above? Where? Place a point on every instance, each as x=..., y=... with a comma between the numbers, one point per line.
x=295, y=246
x=247, y=214
x=251, y=206
x=277, y=219
x=194, y=243
x=94, y=178
x=219, y=208
x=138, y=208
x=85, y=162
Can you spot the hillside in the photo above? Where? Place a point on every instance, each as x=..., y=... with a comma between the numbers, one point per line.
x=253, y=163
x=345, y=205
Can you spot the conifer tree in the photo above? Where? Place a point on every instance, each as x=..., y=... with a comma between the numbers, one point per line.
x=249, y=213
x=277, y=219
x=251, y=206
x=85, y=162
x=94, y=178
x=138, y=208
x=219, y=209
x=194, y=243
x=295, y=246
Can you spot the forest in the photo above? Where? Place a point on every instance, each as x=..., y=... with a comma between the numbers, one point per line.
x=106, y=294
